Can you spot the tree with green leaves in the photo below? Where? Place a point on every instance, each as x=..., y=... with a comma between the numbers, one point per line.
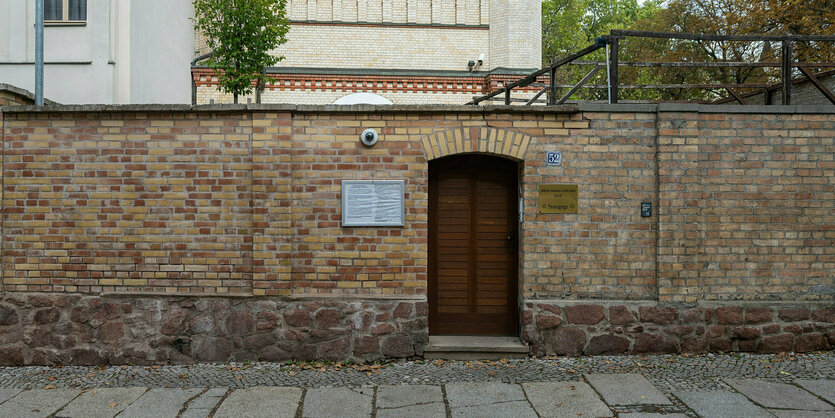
x=241, y=34
x=571, y=25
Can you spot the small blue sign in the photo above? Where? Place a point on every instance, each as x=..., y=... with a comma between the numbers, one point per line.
x=553, y=158
x=646, y=209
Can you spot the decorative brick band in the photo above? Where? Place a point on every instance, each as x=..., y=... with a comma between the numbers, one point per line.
x=476, y=139
x=374, y=83
x=566, y=328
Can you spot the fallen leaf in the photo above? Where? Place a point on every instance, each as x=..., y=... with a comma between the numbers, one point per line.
x=48, y=387
x=113, y=405
x=292, y=373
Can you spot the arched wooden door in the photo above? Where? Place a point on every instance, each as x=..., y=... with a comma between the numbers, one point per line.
x=473, y=223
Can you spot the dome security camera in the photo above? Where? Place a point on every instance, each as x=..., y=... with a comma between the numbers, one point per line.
x=369, y=137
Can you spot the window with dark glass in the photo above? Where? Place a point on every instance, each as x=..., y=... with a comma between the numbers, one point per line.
x=58, y=11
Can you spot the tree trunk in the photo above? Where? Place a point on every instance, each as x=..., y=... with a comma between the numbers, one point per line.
x=235, y=95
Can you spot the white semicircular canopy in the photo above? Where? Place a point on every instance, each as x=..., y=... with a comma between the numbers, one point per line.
x=363, y=98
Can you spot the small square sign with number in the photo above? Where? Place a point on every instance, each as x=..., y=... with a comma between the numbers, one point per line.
x=553, y=158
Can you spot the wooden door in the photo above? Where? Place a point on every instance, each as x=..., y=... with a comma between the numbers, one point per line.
x=473, y=213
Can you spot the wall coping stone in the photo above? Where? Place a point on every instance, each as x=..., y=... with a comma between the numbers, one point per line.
x=704, y=108
x=290, y=108
x=581, y=107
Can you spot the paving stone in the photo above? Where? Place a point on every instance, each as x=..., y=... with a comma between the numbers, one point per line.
x=821, y=387
x=159, y=403
x=795, y=413
x=37, y=402
x=406, y=395
x=473, y=394
x=515, y=409
x=627, y=389
x=429, y=410
x=280, y=402
x=721, y=404
x=101, y=402
x=341, y=402
x=565, y=399
x=778, y=395
x=651, y=415
x=196, y=413
x=209, y=399
x=6, y=394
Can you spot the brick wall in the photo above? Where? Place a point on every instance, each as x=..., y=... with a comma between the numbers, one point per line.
x=409, y=34
x=177, y=201
x=241, y=201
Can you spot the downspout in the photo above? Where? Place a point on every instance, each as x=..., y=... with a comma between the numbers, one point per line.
x=193, y=83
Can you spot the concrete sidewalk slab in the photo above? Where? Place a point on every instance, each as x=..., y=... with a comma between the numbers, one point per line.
x=627, y=389
x=474, y=394
x=37, y=402
x=778, y=395
x=407, y=395
x=338, y=402
x=202, y=406
x=6, y=394
x=650, y=415
x=102, y=402
x=821, y=387
x=429, y=410
x=159, y=403
x=794, y=413
x=565, y=399
x=515, y=409
x=718, y=404
x=261, y=401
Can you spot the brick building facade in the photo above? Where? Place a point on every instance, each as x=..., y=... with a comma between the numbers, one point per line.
x=408, y=51
x=153, y=234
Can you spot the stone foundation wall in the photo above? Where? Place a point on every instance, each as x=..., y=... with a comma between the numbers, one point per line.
x=566, y=328
x=50, y=329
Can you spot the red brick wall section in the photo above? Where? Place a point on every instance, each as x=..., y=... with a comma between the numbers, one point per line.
x=146, y=202
x=747, y=206
x=606, y=250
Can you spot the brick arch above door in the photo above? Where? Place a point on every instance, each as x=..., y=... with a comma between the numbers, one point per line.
x=480, y=139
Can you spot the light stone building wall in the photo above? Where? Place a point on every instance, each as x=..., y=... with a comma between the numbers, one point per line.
x=383, y=47
x=415, y=36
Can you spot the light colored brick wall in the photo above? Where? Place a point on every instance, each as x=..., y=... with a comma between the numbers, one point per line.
x=381, y=47
x=410, y=34
x=249, y=201
x=127, y=202
x=515, y=34
x=442, y=12
x=748, y=204
x=607, y=249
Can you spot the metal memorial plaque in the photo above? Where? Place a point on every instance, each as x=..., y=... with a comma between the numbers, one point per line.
x=557, y=198
x=373, y=202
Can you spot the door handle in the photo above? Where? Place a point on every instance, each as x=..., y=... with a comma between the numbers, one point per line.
x=511, y=241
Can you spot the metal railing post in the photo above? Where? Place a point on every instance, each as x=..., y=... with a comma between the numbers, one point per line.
x=613, y=70
x=39, y=52
x=786, y=72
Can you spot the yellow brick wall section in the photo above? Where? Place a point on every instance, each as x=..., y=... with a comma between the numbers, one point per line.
x=482, y=139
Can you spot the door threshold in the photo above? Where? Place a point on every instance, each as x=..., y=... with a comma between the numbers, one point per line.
x=475, y=347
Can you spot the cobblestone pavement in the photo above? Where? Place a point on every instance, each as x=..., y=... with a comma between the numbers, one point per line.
x=705, y=385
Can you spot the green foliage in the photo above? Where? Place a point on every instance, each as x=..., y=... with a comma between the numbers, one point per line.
x=241, y=34
x=571, y=25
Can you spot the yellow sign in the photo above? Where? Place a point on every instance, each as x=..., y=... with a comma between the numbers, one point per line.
x=557, y=198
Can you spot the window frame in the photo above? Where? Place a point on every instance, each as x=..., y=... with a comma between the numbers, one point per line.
x=65, y=18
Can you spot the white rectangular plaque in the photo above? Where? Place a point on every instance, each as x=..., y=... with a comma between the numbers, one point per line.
x=373, y=202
